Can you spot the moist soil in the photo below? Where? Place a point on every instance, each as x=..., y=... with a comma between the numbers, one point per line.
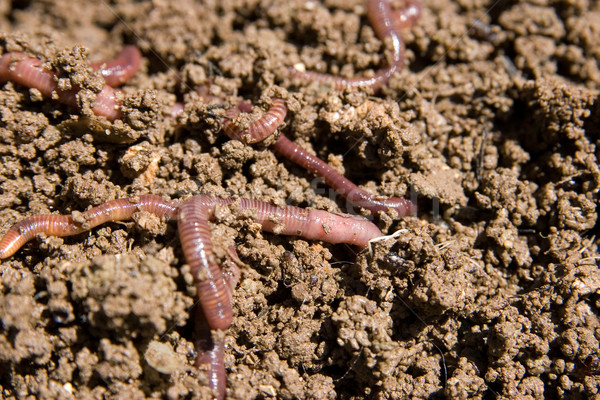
x=492, y=290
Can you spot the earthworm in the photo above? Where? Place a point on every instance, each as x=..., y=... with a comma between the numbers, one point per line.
x=341, y=184
x=268, y=124
x=210, y=351
x=209, y=347
x=120, y=69
x=258, y=130
x=379, y=79
x=214, y=287
x=194, y=234
x=310, y=224
x=68, y=225
x=28, y=71
x=386, y=24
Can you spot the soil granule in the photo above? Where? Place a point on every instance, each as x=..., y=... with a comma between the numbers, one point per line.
x=492, y=291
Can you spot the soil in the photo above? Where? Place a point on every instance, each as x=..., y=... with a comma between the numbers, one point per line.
x=491, y=291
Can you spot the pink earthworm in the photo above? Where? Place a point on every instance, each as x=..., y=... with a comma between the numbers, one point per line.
x=258, y=130
x=120, y=69
x=386, y=24
x=214, y=287
x=68, y=225
x=310, y=224
x=268, y=124
x=210, y=348
x=407, y=16
x=194, y=234
x=341, y=184
x=28, y=71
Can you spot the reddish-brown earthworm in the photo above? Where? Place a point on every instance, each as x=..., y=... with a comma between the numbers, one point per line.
x=193, y=216
x=29, y=71
x=406, y=16
x=121, y=68
x=194, y=234
x=341, y=184
x=210, y=348
x=268, y=124
x=311, y=224
x=68, y=225
x=214, y=288
x=386, y=24
x=258, y=130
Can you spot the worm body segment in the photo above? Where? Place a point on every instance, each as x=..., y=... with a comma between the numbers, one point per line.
x=268, y=124
x=210, y=349
x=312, y=224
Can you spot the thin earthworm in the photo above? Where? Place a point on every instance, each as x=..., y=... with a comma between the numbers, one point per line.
x=379, y=78
x=386, y=24
x=120, y=69
x=65, y=225
x=210, y=350
x=258, y=130
x=342, y=185
x=209, y=347
x=28, y=71
x=264, y=127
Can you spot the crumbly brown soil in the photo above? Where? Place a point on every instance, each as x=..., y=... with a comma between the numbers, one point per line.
x=491, y=291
